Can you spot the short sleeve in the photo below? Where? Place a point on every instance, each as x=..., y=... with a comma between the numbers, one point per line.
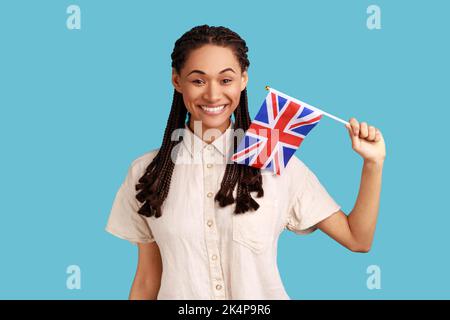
x=124, y=221
x=310, y=205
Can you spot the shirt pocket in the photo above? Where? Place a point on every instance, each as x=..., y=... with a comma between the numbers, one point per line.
x=255, y=229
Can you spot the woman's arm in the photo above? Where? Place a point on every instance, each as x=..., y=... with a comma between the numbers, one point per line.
x=356, y=230
x=147, y=280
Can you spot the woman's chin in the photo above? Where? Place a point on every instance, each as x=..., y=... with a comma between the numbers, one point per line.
x=213, y=122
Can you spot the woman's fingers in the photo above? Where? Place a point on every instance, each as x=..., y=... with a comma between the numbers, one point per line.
x=372, y=132
x=377, y=135
x=350, y=131
x=354, y=124
x=363, y=130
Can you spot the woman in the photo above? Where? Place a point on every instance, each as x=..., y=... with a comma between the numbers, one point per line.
x=207, y=228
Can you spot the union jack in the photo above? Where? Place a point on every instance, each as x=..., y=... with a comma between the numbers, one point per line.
x=277, y=131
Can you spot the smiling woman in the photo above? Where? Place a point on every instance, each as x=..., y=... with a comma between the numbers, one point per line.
x=208, y=222
x=211, y=83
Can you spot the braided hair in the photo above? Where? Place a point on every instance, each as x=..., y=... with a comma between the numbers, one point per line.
x=154, y=185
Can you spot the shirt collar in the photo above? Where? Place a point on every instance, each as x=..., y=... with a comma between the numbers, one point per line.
x=222, y=144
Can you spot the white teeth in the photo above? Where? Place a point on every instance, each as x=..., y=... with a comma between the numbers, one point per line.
x=213, y=110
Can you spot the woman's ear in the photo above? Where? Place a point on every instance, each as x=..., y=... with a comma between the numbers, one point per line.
x=244, y=80
x=176, y=81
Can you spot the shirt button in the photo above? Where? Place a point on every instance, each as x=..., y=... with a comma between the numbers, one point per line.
x=214, y=257
x=209, y=165
x=218, y=287
x=210, y=147
x=210, y=194
x=209, y=223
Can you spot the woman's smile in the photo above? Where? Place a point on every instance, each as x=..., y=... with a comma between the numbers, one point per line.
x=213, y=110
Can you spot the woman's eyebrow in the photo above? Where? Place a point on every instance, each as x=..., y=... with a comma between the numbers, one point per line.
x=202, y=72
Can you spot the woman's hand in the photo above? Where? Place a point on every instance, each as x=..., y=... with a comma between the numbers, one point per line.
x=367, y=141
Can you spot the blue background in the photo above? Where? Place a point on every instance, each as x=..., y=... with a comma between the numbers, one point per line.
x=77, y=106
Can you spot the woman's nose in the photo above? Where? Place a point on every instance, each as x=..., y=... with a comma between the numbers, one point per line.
x=213, y=93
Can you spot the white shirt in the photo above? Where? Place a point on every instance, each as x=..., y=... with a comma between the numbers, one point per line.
x=207, y=251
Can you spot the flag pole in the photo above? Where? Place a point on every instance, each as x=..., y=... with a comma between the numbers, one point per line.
x=309, y=106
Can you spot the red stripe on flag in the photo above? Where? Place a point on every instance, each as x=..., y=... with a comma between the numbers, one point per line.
x=274, y=105
x=305, y=122
x=277, y=163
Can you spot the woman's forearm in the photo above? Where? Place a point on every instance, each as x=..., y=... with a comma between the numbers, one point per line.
x=363, y=218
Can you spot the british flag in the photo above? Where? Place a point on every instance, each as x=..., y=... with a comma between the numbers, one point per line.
x=277, y=131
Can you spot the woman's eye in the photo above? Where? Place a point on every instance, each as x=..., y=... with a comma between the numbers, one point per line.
x=198, y=81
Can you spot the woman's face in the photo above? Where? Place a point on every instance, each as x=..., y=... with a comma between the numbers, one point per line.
x=211, y=82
